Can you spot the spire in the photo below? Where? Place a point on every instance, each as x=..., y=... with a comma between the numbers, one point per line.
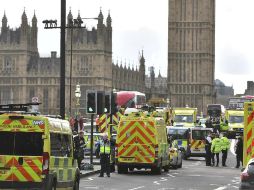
x=79, y=17
x=24, y=18
x=4, y=20
x=159, y=74
x=34, y=20
x=100, y=18
x=69, y=18
x=109, y=20
x=142, y=59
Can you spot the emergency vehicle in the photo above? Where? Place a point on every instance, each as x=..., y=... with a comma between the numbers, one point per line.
x=196, y=141
x=235, y=121
x=248, y=133
x=184, y=117
x=141, y=142
x=180, y=135
x=36, y=151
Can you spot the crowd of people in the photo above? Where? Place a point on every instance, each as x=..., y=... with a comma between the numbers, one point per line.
x=216, y=144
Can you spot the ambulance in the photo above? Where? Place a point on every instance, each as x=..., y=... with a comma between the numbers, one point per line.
x=36, y=151
x=141, y=142
x=184, y=117
x=248, y=134
x=235, y=121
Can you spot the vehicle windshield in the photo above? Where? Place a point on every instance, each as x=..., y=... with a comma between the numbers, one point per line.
x=21, y=143
x=178, y=133
x=183, y=118
x=235, y=119
x=199, y=134
x=202, y=121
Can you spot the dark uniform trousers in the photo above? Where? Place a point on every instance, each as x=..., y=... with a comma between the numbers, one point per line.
x=105, y=164
x=208, y=154
x=224, y=157
x=239, y=158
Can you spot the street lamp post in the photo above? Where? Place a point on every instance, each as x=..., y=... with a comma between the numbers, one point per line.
x=52, y=24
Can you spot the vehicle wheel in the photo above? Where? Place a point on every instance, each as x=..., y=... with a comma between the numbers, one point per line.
x=157, y=170
x=76, y=185
x=122, y=170
x=112, y=167
x=166, y=168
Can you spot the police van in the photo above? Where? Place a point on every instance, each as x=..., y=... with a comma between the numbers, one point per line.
x=35, y=151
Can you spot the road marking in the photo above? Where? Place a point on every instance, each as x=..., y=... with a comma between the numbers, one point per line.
x=194, y=175
x=232, y=147
x=156, y=182
x=90, y=187
x=221, y=188
x=163, y=179
x=88, y=179
x=170, y=175
x=137, y=188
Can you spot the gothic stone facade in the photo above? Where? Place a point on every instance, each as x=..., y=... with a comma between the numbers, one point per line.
x=191, y=52
x=24, y=74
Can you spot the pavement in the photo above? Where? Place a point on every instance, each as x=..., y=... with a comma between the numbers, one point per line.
x=88, y=172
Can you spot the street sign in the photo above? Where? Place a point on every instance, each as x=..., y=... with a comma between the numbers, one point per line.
x=35, y=99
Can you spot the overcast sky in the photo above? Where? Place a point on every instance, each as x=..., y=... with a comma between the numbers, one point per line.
x=142, y=24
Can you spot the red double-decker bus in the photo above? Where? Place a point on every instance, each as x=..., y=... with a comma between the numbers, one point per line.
x=130, y=99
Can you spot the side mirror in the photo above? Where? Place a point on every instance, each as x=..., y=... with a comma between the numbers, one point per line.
x=242, y=169
x=226, y=122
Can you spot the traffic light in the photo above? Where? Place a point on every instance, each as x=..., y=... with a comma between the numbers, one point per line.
x=100, y=102
x=114, y=108
x=91, y=102
x=107, y=108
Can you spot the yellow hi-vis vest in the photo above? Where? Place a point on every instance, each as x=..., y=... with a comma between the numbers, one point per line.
x=104, y=147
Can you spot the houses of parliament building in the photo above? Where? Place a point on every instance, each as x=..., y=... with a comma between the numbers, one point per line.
x=24, y=74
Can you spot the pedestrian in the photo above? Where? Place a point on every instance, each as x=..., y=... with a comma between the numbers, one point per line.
x=80, y=144
x=208, y=123
x=104, y=147
x=225, y=146
x=208, y=142
x=239, y=151
x=216, y=148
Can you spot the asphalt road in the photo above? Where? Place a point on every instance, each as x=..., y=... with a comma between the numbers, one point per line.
x=193, y=176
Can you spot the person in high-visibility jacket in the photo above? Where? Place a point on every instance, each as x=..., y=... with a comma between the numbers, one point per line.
x=216, y=148
x=104, y=147
x=225, y=146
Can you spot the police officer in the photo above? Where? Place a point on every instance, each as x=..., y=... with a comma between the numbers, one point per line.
x=216, y=148
x=104, y=147
x=79, y=148
x=208, y=142
x=239, y=151
x=225, y=145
